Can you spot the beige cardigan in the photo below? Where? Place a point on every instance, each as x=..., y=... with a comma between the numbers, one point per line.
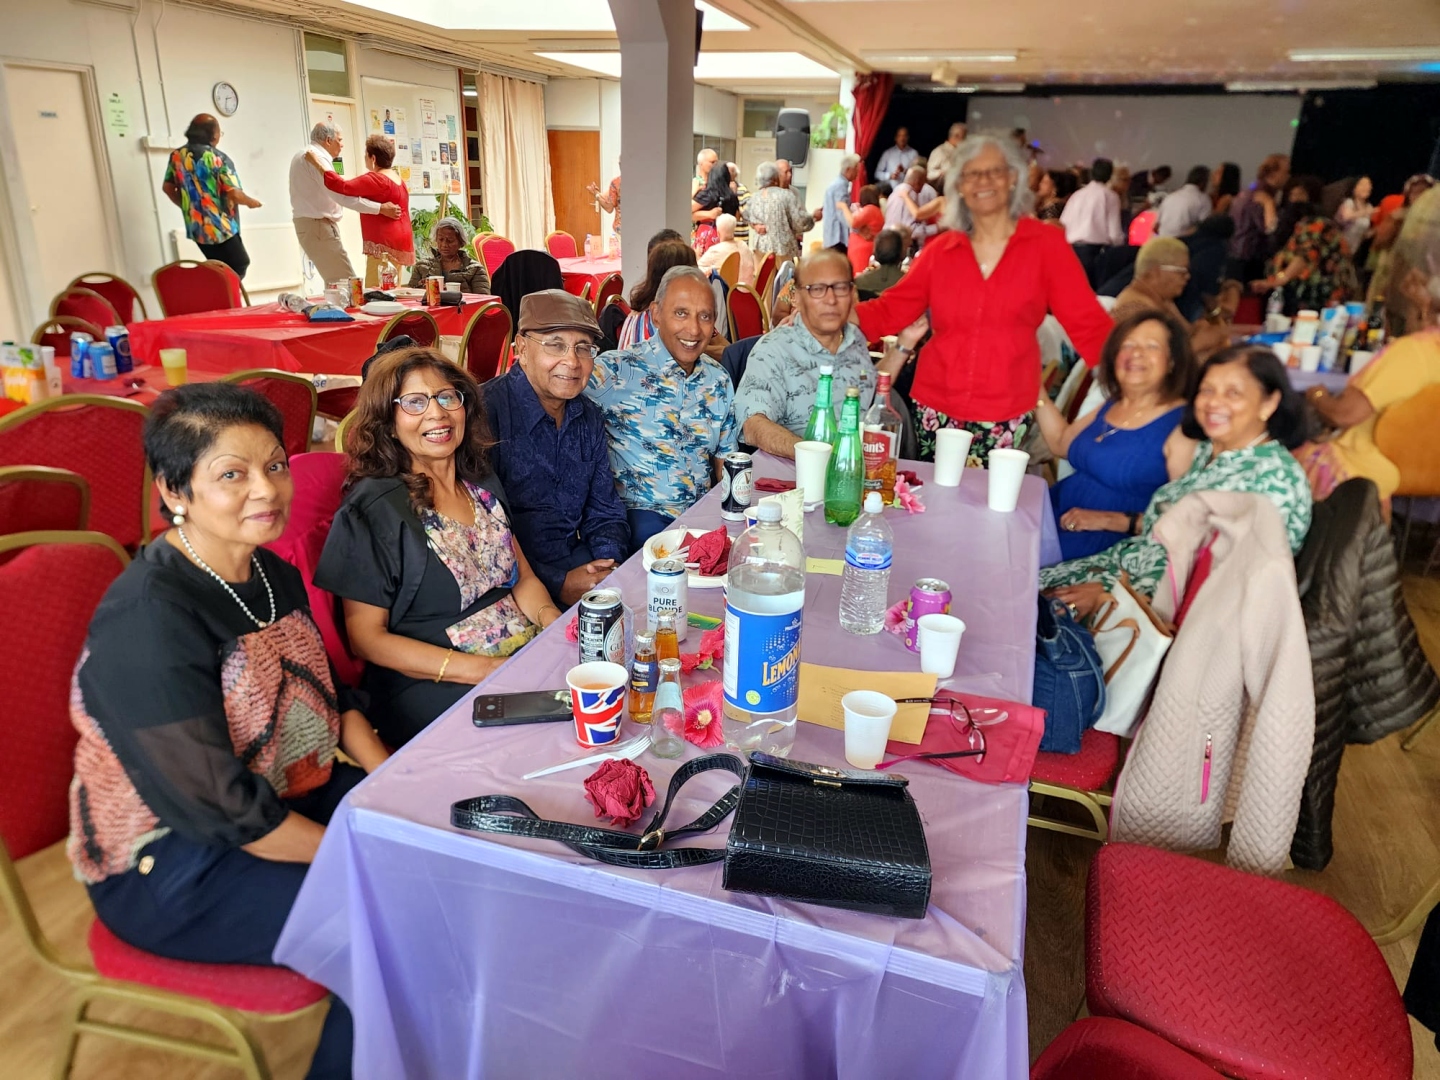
x=1236, y=688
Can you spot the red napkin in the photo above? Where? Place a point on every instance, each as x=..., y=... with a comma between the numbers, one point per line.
x=772, y=486
x=1010, y=745
x=711, y=552
x=910, y=478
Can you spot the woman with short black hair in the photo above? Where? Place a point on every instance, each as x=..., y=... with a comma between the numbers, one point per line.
x=208, y=713
x=383, y=238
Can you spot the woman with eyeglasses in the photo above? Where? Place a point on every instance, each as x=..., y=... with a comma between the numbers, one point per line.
x=436, y=590
x=1130, y=446
x=987, y=282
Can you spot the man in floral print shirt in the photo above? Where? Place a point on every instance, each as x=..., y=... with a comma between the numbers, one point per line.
x=667, y=407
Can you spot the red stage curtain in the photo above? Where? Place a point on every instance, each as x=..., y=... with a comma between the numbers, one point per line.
x=872, y=101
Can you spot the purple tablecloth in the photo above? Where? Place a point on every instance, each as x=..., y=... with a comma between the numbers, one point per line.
x=468, y=956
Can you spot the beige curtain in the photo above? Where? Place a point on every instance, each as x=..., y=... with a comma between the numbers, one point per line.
x=515, y=159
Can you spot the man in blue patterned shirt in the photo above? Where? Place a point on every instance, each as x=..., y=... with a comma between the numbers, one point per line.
x=667, y=407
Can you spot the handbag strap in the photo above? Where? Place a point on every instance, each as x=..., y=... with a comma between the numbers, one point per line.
x=1071, y=631
x=507, y=814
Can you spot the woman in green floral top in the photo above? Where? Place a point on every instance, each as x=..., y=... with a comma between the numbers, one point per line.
x=1249, y=418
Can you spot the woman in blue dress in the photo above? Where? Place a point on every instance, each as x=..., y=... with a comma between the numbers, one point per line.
x=1130, y=446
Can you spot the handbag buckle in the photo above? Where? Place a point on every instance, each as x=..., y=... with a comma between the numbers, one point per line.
x=652, y=840
x=828, y=772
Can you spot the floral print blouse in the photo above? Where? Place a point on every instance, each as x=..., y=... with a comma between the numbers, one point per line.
x=481, y=557
x=1328, y=276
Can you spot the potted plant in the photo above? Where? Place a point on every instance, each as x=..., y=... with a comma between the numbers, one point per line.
x=829, y=133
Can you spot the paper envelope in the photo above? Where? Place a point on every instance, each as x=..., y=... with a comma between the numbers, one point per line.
x=821, y=689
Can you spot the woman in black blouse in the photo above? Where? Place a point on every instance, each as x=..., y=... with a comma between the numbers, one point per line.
x=208, y=713
x=436, y=590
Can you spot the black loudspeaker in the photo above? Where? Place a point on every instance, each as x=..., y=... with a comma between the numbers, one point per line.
x=792, y=136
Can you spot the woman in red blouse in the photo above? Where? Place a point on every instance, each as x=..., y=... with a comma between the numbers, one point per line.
x=383, y=237
x=987, y=284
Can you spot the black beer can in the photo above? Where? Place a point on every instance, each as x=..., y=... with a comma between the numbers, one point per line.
x=602, y=626
x=736, y=486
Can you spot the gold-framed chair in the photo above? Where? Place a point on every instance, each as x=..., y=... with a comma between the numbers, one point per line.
x=123, y=296
x=1398, y=929
x=1086, y=779
x=341, y=427
x=292, y=394
x=730, y=269
x=416, y=324
x=485, y=345
x=38, y=498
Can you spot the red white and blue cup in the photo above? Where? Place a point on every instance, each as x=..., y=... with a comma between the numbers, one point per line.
x=597, y=698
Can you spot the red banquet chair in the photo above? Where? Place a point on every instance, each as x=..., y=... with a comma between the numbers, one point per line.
x=319, y=490
x=610, y=285
x=763, y=277
x=1103, y=1048
x=80, y=303
x=56, y=332
x=238, y=296
x=747, y=314
x=561, y=245
x=34, y=498
x=122, y=295
x=492, y=250
x=186, y=287
x=420, y=326
x=99, y=438
x=1255, y=977
x=485, y=345
x=53, y=586
x=292, y=395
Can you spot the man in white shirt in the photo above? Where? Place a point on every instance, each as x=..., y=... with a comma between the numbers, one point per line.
x=938, y=164
x=704, y=162
x=897, y=159
x=716, y=254
x=1091, y=218
x=317, y=210
x=1181, y=211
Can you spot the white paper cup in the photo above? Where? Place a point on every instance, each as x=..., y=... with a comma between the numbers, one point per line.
x=1007, y=470
x=1307, y=325
x=952, y=447
x=868, y=715
x=811, y=460
x=939, y=637
x=1358, y=360
x=1277, y=324
x=1309, y=357
x=1282, y=350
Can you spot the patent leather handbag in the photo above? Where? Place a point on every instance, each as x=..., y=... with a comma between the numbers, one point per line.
x=836, y=837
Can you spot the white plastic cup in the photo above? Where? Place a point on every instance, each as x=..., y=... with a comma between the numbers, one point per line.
x=1277, y=324
x=952, y=447
x=1307, y=325
x=1309, y=357
x=812, y=458
x=868, y=715
x=1358, y=359
x=1007, y=470
x=175, y=365
x=939, y=637
x=1282, y=350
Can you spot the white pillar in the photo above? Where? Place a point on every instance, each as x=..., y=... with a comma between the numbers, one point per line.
x=657, y=114
x=847, y=102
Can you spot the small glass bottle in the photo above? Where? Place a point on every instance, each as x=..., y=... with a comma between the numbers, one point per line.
x=644, y=677
x=667, y=732
x=667, y=643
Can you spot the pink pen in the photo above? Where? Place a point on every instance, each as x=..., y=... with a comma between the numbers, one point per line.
x=1205, y=771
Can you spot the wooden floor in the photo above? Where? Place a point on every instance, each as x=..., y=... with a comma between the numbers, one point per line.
x=1387, y=852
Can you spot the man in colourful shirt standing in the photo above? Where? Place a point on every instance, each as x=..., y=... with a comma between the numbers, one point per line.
x=667, y=407
x=201, y=180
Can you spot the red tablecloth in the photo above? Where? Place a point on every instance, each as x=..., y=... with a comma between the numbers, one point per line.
x=144, y=384
x=269, y=336
x=594, y=267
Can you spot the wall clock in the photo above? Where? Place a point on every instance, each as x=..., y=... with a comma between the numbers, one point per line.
x=225, y=98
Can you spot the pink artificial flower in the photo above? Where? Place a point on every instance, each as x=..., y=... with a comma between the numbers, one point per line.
x=703, y=708
x=905, y=496
x=572, y=629
x=711, y=648
x=621, y=789
x=895, y=617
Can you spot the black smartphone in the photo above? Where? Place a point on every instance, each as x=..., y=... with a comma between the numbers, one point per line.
x=529, y=707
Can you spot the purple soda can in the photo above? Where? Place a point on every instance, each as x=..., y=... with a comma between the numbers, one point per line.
x=928, y=596
x=79, y=365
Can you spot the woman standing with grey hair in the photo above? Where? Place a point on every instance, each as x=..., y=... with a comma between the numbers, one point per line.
x=450, y=258
x=987, y=282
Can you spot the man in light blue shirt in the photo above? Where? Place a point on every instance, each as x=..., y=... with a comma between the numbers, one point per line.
x=834, y=230
x=894, y=161
x=667, y=406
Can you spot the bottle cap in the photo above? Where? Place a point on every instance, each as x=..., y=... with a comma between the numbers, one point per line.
x=670, y=663
x=827, y=369
x=852, y=391
x=644, y=637
x=873, y=503
x=768, y=512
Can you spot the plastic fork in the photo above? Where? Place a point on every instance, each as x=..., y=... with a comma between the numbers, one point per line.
x=626, y=750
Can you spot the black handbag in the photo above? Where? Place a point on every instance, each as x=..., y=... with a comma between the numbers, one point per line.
x=841, y=838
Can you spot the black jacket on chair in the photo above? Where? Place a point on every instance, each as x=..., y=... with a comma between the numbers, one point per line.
x=1371, y=676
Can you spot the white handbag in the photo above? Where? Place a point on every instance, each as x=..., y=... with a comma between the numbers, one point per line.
x=1132, y=641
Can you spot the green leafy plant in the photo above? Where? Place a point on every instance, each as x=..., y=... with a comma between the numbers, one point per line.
x=829, y=134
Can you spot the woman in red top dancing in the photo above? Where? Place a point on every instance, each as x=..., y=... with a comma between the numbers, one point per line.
x=383, y=237
x=987, y=284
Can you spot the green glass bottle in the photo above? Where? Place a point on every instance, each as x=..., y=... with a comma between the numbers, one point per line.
x=845, y=475
x=821, y=426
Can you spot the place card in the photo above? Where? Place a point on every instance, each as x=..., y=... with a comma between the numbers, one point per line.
x=821, y=689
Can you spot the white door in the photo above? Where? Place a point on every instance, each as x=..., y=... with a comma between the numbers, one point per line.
x=753, y=152
x=60, y=189
x=351, y=163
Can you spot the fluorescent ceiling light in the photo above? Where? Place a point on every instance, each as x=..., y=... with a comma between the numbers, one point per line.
x=1262, y=87
x=920, y=58
x=551, y=15
x=1378, y=56
x=713, y=66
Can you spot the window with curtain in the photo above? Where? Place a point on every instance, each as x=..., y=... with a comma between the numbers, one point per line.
x=515, y=159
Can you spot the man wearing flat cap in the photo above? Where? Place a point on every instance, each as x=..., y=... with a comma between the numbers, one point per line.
x=551, y=452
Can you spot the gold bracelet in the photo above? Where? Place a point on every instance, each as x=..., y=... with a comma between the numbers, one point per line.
x=448, y=654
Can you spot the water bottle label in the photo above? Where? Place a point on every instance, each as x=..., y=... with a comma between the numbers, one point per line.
x=762, y=660
x=867, y=560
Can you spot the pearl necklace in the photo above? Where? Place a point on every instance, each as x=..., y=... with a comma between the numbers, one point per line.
x=254, y=561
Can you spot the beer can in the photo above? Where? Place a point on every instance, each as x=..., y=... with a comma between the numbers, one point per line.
x=102, y=359
x=928, y=596
x=118, y=339
x=433, y=285
x=735, y=486
x=666, y=593
x=79, y=360
x=356, y=291
x=602, y=626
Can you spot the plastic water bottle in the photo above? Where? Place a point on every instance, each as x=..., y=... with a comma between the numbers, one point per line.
x=865, y=587
x=764, y=598
x=1275, y=305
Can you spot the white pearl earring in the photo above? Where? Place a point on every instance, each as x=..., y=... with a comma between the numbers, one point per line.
x=179, y=516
